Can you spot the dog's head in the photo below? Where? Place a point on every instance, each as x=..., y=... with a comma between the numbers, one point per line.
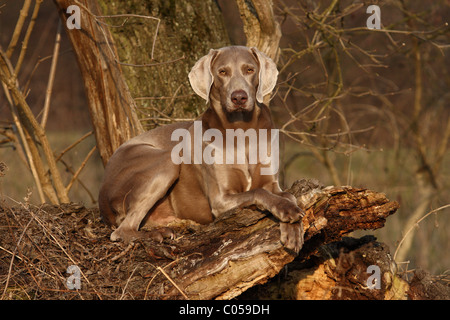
x=235, y=76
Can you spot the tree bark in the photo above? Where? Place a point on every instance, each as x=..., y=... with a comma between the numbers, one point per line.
x=111, y=105
x=260, y=27
x=168, y=42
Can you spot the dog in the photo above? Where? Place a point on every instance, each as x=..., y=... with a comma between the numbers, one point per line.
x=152, y=179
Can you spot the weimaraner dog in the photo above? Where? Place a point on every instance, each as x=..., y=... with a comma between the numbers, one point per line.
x=144, y=185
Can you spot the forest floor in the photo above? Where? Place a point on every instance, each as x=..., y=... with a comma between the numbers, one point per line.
x=45, y=249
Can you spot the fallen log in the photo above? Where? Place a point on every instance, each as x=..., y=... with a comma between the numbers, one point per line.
x=349, y=269
x=242, y=248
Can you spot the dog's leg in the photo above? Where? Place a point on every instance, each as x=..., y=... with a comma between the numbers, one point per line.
x=287, y=211
x=283, y=207
x=291, y=233
x=145, y=194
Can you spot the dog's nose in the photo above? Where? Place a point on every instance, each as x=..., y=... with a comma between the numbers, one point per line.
x=239, y=97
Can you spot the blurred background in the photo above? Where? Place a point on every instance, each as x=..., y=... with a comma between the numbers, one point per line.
x=367, y=108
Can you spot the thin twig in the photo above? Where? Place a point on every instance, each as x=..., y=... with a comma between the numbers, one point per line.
x=415, y=224
x=77, y=173
x=69, y=169
x=23, y=50
x=8, y=69
x=173, y=282
x=126, y=284
x=18, y=28
x=32, y=126
x=154, y=276
x=73, y=145
x=123, y=252
x=51, y=77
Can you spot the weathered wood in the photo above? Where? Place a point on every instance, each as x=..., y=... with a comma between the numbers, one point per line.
x=242, y=248
x=260, y=26
x=349, y=269
x=111, y=105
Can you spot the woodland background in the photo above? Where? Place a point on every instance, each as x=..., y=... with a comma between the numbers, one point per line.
x=357, y=107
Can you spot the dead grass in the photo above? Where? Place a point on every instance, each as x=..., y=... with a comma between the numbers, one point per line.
x=39, y=243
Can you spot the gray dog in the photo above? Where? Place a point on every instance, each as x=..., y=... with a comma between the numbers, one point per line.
x=147, y=183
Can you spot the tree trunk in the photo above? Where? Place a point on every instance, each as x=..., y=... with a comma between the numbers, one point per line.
x=260, y=27
x=169, y=41
x=111, y=105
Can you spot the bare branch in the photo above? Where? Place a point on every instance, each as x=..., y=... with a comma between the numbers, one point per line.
x=24, y=47
x=18, y=28
x=51, y=77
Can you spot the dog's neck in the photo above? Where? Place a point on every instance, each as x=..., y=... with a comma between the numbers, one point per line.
x=216, y=117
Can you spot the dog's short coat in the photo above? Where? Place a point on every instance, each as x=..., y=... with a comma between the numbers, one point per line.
x=143, y=186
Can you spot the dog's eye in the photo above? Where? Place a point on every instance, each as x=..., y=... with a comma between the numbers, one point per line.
x=222, y=72
x=250, y=70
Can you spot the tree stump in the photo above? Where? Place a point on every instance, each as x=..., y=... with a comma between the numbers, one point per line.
x=242, y=248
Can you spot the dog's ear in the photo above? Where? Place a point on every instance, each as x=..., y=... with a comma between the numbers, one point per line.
x=268, y=74
x=201, y=77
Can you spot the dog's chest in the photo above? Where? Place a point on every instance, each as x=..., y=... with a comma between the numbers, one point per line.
x=237, y=178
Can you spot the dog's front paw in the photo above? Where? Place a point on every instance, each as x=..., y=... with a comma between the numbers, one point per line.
x=159, y=234
x=121, y=235
x=125, y=235
x=287, y=211
x=292, y=235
